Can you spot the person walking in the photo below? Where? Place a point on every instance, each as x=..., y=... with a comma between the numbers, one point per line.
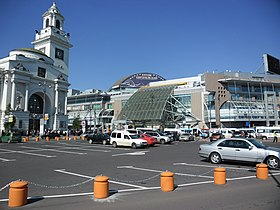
x=275, y=137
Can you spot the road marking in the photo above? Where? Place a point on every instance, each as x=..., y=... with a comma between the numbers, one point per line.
x=54, y=150
x=79, y=148
x=6, y=160
x=132, y=153
x=126, y=190
x=159, y=171
x=207, y=166
x=91, y=177
x=29, y=153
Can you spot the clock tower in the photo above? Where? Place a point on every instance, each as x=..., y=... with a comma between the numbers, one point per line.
x=53, y=40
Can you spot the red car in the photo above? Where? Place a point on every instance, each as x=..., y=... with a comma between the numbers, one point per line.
x=150, y=139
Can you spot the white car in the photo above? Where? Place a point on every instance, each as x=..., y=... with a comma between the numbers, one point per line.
x=124, y=138
x=240, y=149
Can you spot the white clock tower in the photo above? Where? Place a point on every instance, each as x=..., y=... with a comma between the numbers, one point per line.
x=52, y=39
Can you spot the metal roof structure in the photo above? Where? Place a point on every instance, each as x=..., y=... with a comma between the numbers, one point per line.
x=156, y=106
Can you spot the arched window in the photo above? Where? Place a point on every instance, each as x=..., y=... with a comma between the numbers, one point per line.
x=57, y=24
x=47, y=22
x=35, y=104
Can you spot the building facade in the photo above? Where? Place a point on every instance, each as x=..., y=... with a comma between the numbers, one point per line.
x=34, y=81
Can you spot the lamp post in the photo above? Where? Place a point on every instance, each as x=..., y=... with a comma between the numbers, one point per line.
x=44, y=85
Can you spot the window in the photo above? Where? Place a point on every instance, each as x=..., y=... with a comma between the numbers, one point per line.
x=47, y=23
x=59, y=54
x=114, y=135
x=119, y=135
x=57, y=24
x=41, y=72
x=227, y=143
x=242, y=144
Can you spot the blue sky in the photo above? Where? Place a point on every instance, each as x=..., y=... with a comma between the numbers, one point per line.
x=173, y=38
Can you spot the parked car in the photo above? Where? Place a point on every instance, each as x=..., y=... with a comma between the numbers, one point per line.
x=51, y=135
x=150, y=139
x=159, y=136
x=240, y=149
x=103, y=138
x=238, y=134
x=124, y=138
x=9, y=137
x=186, y=137
x=216, y=136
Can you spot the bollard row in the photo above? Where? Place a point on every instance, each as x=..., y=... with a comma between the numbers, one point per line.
x=18, y=189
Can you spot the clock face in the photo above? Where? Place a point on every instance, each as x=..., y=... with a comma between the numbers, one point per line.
x=59, y=53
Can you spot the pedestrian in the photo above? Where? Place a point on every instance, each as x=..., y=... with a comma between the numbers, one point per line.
x=275, y=137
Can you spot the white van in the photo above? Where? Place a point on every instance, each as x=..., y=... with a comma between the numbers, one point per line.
x=124, y=138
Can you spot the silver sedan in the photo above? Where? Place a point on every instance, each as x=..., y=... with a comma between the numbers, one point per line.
x=239, y=149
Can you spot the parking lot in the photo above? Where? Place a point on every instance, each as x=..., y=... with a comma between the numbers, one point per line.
x=61, y=175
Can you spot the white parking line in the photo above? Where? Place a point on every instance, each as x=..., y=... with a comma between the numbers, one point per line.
x=28, y=153
x=158, y=171
x=91, y=177
x=208, y=166
x=132, y=153
x=79, y=148
x=6, y=160
x=55, y=150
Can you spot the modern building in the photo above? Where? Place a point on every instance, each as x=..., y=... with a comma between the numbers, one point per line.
x=34, y=81
x=227, y=99
x=97, y=109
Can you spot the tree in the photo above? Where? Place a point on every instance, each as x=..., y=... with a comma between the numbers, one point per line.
x=9, y=125
x=76, y=124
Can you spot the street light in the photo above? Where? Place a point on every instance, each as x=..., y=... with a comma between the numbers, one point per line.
x=44, y=85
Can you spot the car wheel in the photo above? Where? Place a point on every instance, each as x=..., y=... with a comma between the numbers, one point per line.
x=264, y=138
x=272, y=162
x=133, y=146
x=114, y=144
x=90, y=141
x=215, y=158
x=9, y=141
x=162, y=141
x=104, y=142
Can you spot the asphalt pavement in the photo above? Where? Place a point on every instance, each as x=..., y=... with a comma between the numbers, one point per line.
x=61, y=176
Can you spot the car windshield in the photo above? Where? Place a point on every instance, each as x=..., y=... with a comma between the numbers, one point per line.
x=160, y=133
x=257, y=143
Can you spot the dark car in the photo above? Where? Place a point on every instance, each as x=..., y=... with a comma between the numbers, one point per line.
x=216, y=136
x=238, y=134
x=51, y=135
x=102, y=138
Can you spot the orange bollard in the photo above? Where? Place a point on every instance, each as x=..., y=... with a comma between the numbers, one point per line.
x=83, y=138
x=75, y=138
x=101, y=187
x=220, y=176
x=167, y=181
x=47, y=138
x=261, y=171
x=66, y=138
x=37, y=138
x=18, y=194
